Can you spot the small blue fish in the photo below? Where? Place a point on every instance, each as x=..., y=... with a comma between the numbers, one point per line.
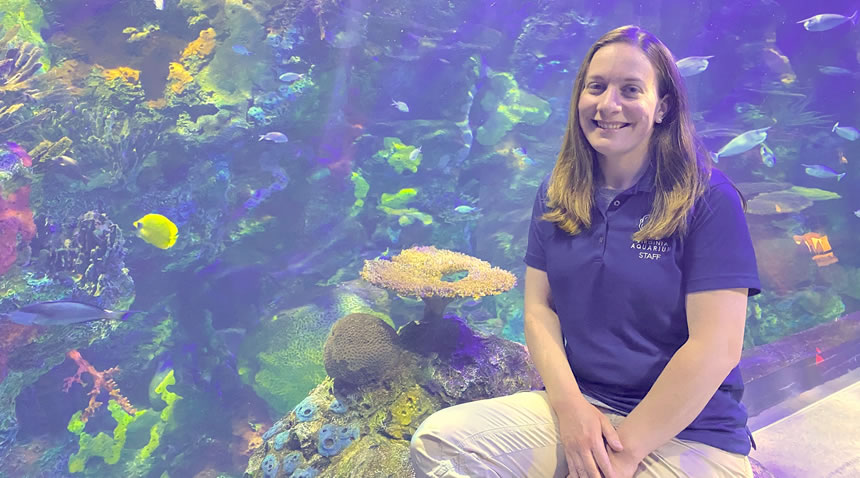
x=826, y=21
x=464, y=209
x=291, y=77
x=62, y=312
x=693, y=65
x=846, y=132
x=393, y=235
x=241, y=50
x=823, y=172
x=767, y=156
x=400, y=105
x=274, y=137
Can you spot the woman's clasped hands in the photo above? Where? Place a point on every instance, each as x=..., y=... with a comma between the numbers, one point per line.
x=583, y=429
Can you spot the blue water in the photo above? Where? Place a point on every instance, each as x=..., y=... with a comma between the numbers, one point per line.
x=281, y=190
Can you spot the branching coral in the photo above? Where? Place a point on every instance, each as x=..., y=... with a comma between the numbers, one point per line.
x=422, y=272
x=18, y=65
x=102, y=381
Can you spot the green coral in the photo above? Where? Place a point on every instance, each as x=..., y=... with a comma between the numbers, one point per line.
x=29, y=16
x=399, y=199
x=102, y=445
x=110, y=449
x=361, y=189
x=394, y=205
x=166, y=416
x=507, y=106
x=284, y=359
x=397, y=154
x=406, y=217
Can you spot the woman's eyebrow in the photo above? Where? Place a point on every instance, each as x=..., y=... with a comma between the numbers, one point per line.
x=628, y=79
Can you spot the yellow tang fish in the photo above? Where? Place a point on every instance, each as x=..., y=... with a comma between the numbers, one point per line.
x=157, y=230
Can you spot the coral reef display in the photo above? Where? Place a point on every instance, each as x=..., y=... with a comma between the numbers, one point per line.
x=347, y=430
x=431, y=275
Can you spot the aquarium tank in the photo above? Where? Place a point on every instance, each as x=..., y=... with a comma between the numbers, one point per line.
x=267, y=238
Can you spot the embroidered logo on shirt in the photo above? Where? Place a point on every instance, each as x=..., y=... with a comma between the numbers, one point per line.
x=651, y=249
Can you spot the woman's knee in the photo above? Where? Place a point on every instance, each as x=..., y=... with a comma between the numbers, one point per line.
x=435, y=427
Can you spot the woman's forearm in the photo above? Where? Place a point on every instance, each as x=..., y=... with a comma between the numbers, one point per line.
x=680, y=393
x=546, y=348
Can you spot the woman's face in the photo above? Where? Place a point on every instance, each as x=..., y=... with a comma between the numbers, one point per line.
x=619, y=105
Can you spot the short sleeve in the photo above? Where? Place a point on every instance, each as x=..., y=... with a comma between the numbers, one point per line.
x=718, y=251
x=535, y=251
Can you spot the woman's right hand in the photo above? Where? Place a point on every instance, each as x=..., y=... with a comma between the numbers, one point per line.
x=583, y=427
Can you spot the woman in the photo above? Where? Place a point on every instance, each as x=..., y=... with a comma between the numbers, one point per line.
x=639, y=267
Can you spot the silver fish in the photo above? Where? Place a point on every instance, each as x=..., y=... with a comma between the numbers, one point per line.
x=823, y=172
x=693, y=65
x=291, y=77
x=742, y=143
x=826, y=21
x=274, y=136
x=414, y=154
x=400, y=105
x=847, y=132
x=835, y=71
x=62, y=312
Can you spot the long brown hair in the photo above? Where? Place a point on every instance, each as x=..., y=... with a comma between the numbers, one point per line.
x=683, y=166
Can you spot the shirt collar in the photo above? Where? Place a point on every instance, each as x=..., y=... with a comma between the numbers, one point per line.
x=646, y=182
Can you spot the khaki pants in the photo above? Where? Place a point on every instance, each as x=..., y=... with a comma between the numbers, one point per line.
x=517, y=436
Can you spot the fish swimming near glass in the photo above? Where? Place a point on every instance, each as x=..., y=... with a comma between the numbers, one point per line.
x=693, y=65
x=847, y=132
x=741, y=143
x=826, y=21
x=63, y=312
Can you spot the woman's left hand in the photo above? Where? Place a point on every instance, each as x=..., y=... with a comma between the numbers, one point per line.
x=624, y=464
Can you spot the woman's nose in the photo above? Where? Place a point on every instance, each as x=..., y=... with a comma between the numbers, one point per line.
x=610, y=101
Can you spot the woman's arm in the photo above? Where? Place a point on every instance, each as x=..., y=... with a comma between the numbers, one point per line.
x=545, y=343
x=715, y=320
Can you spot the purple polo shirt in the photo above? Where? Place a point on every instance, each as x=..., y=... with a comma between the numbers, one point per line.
x=621, y=303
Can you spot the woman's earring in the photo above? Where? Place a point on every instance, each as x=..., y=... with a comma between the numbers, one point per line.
x=659, y=120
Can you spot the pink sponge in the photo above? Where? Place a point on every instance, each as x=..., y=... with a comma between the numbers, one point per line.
x=16, y=223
